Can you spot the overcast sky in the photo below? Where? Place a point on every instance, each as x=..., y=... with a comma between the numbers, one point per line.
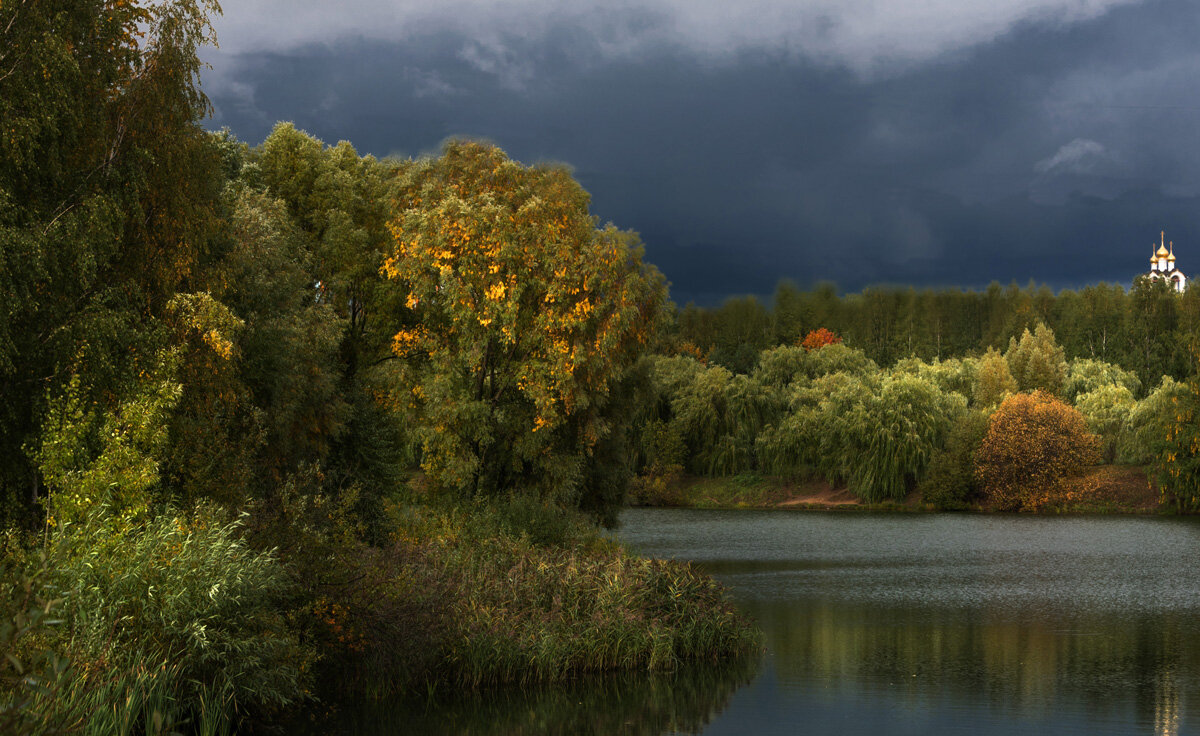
x=924, y=142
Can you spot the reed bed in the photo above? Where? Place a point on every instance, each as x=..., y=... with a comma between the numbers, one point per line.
x=532, y=612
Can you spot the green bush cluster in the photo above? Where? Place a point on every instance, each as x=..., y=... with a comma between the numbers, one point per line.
x=178, y=616
x=832, y=413
x=827, y=412
x=950, y=482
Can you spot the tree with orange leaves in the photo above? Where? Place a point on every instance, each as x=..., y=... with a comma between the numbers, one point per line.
x=525, y=314
x=819, y=338
x=1034, y=442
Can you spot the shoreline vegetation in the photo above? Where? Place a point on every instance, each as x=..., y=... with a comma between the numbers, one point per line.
x=285, y=423
x=1118, y=490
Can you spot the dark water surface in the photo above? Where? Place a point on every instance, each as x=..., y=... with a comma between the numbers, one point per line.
x=897, y=624
x=914, y=624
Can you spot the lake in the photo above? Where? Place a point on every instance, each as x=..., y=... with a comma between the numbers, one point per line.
x=898, y=624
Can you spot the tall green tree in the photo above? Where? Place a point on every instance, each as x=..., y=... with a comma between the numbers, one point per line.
x=1154, y=349
x=108, y=190
x=1037, y=362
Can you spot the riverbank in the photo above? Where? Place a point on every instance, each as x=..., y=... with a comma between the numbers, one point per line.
x=1110, y=489
x=452, y=597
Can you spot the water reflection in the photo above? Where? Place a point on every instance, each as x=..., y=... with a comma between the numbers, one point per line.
x=682, y=702
x=955, y=624
x=1119, y=672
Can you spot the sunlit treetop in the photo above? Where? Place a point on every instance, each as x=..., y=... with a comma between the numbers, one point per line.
x=519, y=294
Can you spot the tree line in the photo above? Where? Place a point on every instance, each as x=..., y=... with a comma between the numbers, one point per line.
x=1012, y=429
x=1148, y=328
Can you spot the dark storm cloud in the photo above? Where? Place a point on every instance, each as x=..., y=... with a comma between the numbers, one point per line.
x=1046, y=151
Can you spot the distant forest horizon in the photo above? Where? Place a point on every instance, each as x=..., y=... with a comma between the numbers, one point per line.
x=1147, y=328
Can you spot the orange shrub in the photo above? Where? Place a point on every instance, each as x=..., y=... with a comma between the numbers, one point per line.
x=1034, y=442
x=818, y=339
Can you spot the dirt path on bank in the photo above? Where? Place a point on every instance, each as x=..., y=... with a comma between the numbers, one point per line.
x=821, y=495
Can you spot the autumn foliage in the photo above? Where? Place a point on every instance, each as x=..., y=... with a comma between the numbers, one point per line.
x=525, y=313
x=1034, y=443
x=819, y=338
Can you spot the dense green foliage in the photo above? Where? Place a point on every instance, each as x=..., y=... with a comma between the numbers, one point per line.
x=832, y=413
x=951, y=483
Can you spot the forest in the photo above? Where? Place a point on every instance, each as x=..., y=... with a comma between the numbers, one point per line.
x=284, y=423
x=1148, y=329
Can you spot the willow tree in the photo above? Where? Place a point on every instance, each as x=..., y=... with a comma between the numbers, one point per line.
x=525, y=315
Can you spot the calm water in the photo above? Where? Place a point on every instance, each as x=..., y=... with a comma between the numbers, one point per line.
x=899, y=624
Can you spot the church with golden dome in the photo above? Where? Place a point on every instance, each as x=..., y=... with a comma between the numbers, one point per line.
x=1162, y=265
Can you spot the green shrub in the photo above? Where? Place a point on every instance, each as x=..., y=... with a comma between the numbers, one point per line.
x=778, y=367
x=1085, y=375
x=1148, y=423
x=31, y=674
x=532, y=613
x=950, y=481
x=376, y=615
x=838, y=358
x=895, y=440
x=544, y=524
x=994, y=380
x=953, y=375
x=1106, y=408
x=1037, y=361
x=1176, y=452
x=520, y=611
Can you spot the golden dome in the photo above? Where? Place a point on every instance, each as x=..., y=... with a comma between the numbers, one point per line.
x=1161, y=252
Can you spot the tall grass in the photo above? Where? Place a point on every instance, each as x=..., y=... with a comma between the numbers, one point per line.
x=172, y=622
x=531, y=612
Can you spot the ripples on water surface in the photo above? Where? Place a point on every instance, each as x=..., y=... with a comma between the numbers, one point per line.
x=899, y=624
x=954, y=624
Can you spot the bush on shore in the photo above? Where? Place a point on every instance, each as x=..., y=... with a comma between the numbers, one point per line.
x=1033, y=443
x=950, y=482
x=541, y=595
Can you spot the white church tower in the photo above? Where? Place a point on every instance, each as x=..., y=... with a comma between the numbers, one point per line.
x=1162, y=265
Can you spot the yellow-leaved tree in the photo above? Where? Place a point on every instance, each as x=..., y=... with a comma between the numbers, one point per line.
x=525, y=315
x=1034, y=443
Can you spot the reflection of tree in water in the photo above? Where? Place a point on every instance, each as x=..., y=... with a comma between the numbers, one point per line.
x=1140, y=665
x=684, y=701
x=1167, y=705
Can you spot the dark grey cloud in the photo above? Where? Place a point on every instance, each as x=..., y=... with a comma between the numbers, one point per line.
x=1050, y=140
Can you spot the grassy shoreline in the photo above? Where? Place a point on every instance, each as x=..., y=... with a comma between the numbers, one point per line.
x=1103, y=489
x=457, y=598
